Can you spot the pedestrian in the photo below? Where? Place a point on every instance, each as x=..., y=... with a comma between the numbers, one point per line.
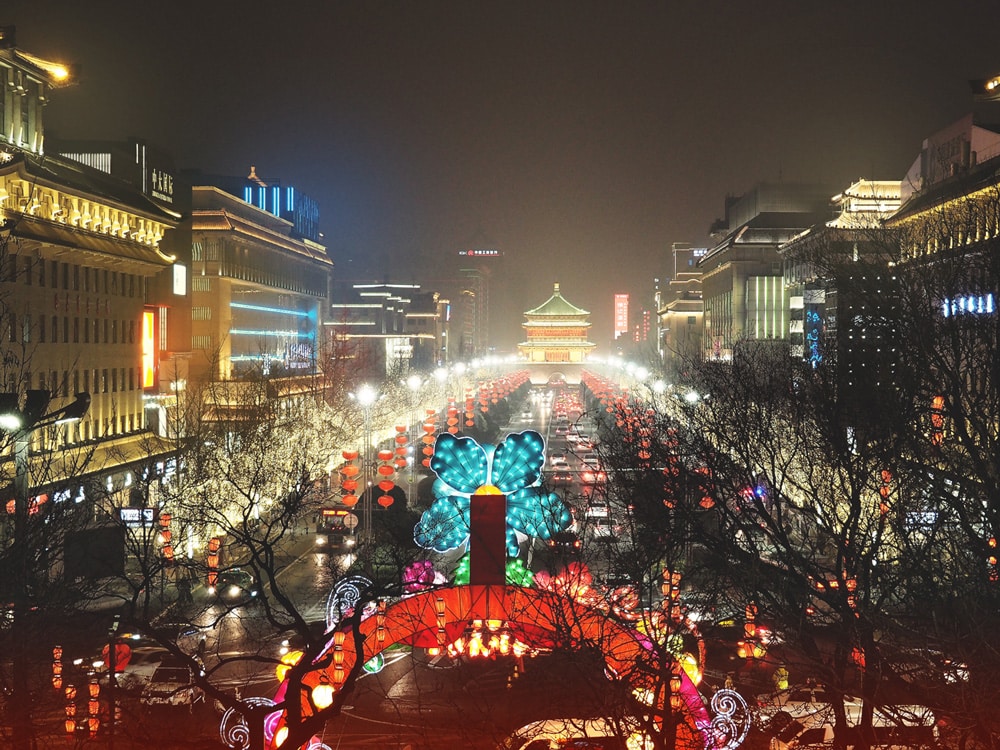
x=184, y=590
x=730, y=683
x=780, y=678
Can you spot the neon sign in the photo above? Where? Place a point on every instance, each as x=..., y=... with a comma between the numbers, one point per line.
x=148, y=348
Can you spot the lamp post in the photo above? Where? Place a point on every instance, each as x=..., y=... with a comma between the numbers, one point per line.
x=366, y=397
x=19, y=423
x=414, y=383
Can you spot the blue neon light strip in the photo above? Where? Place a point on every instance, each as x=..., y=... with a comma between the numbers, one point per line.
x=262, y=308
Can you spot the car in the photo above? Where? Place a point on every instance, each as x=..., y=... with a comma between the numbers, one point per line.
x=602, y=528
x=135, y=673
x=297, y=641
x=557, y=458
x=172, y=684
x=597, y=509
x=591, y=476
x=561, y=478
x=235, y=586
x=561, y=430
x=591, y=460
x=565, y=542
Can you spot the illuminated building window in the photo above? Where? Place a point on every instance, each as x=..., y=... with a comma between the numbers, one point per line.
x=201, y=313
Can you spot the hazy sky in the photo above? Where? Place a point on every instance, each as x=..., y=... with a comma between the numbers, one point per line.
x=580, y=138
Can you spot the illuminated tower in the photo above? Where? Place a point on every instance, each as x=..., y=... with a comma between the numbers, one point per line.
x=556, y=331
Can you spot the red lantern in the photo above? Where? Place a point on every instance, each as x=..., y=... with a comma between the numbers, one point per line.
x=426, y=463
x=350, y=455
x=428, y=439
x=401, y=439
x=384, y=455
x=386, y=485
x=401, y=450
x=350, y=470
x=386, y=470
x=349, y=485
x=349, y=500
x=385, y=500
x=428, y=450
x=401, y=428
x=429, y=427
x=470, y=423
x=400, y=463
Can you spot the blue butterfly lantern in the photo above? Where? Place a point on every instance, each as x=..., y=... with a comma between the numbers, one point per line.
x=514, y=467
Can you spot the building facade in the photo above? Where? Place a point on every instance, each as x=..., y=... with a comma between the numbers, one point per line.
x=742, y=285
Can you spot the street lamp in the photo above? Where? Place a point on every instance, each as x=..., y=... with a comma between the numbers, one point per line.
x=366, y=397
x=414, y=383
x=19, y=422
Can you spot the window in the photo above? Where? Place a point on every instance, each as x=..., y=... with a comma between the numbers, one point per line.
x=76, y=278
x=55, y=330
x=76, y=381
x=114, y=331
x=65, y=275
x=131, y=378
x=106, y=339
x=54, y=274
x=201, y=313
x=65, y=329
x=104, y=381
x=65, y=383
x=86, y=279
x=86, y=330
x=131, y=331
x=76, y=330
x=26, y=329
x=41, y=329
x=97, y=331
x=131, y=285
x=201, y=342
x=12, y=327
x=114, y=380
x=201, y=284
x=86, y=381
x=27, y=271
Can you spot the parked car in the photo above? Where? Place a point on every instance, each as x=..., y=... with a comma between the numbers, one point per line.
x=895, y=727
x=235, y=586
x=172, y=684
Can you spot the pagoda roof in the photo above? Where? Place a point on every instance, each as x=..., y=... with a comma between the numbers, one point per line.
x=557, y=305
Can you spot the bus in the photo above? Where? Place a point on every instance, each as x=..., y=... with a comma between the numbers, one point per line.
x=335, y=529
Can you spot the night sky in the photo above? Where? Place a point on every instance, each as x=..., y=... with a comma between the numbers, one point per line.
x=579, y=138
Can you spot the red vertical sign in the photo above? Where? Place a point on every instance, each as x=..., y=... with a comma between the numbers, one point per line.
x=488, y=537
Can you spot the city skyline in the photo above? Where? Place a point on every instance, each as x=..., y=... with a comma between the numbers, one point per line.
x=572, y=134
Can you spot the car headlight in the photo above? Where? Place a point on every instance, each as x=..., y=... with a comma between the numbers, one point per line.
x=234, y=591
x=321, y=540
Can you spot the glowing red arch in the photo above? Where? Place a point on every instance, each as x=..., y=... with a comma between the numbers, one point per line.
x=542, y=618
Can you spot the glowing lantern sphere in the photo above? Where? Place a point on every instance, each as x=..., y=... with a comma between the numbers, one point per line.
x=386, y=500
x=349, y=500
x=386, y=485
x=322, y=695
x=288, y=661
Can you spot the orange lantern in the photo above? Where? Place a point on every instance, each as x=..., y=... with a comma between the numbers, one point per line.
x=349, y=500
x=401, y=439
x=350, y=455
x=400, y=463
x=350, y=470
x=349, y=485
x=401, y=428
x=428, y=450
x=401, y=451
x=386, y=485
x=385, y=470
x=384, y=455
x=385, y=500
